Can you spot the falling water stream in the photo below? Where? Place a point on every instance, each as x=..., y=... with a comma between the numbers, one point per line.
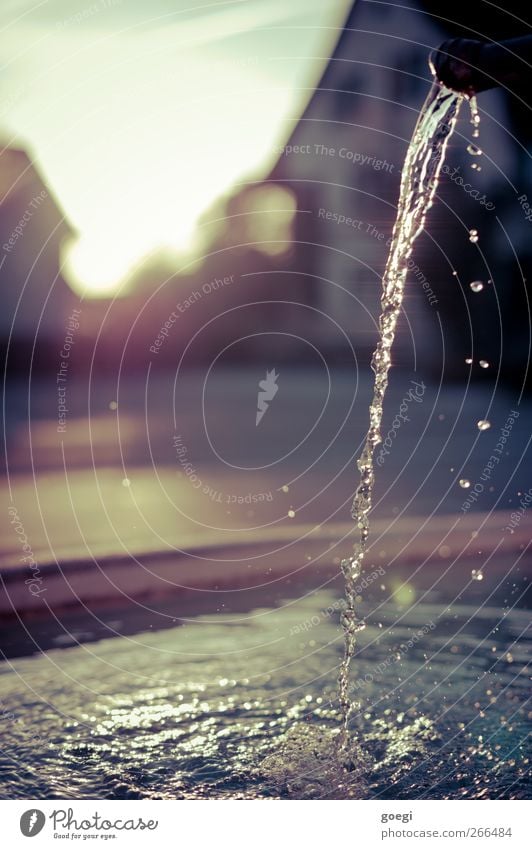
x=419, y=180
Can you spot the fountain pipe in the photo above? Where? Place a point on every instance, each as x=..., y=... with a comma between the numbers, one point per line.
x=470, y=66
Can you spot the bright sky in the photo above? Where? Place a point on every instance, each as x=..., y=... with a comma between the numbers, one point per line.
x=139, y=114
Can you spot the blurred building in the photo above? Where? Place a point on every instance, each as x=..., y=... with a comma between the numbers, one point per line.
x=35, y=299
x=343, y=161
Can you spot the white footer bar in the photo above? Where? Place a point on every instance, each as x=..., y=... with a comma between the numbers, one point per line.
x=265, y=824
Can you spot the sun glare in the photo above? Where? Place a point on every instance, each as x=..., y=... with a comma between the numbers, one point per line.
x=140, y=136
x=94, y=269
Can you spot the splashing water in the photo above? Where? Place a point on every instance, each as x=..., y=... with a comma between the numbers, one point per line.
x=419, y=180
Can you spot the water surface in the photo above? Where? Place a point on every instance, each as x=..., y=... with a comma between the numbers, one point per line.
x=238, y=704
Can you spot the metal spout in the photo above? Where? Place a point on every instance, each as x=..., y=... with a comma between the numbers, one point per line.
x=470, y=66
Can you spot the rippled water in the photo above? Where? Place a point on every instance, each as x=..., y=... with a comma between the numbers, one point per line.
x=237, y=705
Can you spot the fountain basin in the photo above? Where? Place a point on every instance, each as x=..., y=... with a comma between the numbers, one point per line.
x=216, y=678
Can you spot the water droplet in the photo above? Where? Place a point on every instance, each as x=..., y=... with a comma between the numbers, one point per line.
x=477, y=574
x=113, y=405
x=291, y=513
x=473, y=235
x=469, y=361
x=475, y=117
x=284, y=488
x=476, y=286
x=474, y=150
x=464, y=483
x=483, y=424
x=126, y=482
x=483, y=364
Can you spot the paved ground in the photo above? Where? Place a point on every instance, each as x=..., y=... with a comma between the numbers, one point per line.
x=133, y=479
